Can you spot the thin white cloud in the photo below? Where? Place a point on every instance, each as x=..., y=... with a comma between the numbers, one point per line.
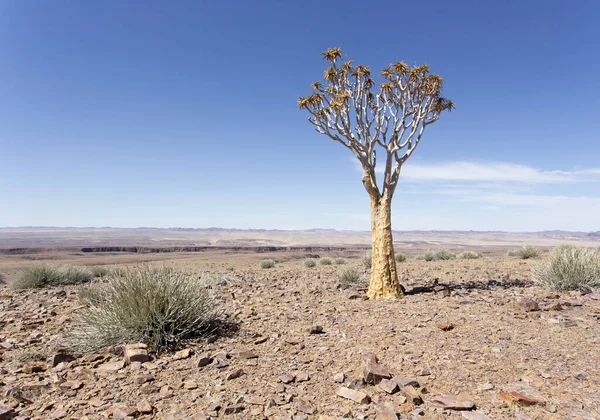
x=493, y=172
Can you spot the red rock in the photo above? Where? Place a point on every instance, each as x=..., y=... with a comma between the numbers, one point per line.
x=528, y=304
x=205, y=361
x=445, y=326
x=385, y=411
x=304, y=406
x=136, y=353
x=286, y=379
x=448, y=402
x=356, y=396
x=182, y=354
x=374, y=372
x=190, y=385
x=517, y=398
x=124, y=412
x=302, y=377
x=402, y=382
x=234, y=374
x=247, y=355
x=144, y=407
x=412, y=395
x=235, y=408
x=388, y=386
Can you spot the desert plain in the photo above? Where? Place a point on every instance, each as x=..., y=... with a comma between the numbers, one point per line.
x=472, y=338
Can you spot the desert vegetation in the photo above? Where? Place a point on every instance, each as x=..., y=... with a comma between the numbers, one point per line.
x=568, y=267
x=468, y=255
x=325, y=261
x=340, y=261
x=528, y=251
x=47, y=275
x=438, y=255
x=267, y=264
x=309, y=263
x=400, y=257
x=351, y=276
x=158, y=307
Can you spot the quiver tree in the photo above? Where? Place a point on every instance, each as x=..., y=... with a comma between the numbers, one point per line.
x=392, y=117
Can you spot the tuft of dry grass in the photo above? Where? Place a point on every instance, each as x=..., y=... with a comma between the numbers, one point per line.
x=469, y=255
x=310, y=263
x=158, y=307
x=325, y=261
x=400, y=257
x=527, y=252
x=351, y=277
x=267, y=264
x=48, y=275
x=367, y=260
x=568, y=267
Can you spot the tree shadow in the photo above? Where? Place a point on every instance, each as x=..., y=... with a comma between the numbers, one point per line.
x=446, y=289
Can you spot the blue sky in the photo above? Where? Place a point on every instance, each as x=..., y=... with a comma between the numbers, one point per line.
x=184, y=114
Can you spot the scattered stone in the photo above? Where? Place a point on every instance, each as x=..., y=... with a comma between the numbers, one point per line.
x=487, y=387
x=144, y=407
x=34, y=368
x=232, y=409
x=385, y=411
x=388, y=386
x=234, y=374
x=514, y=397
x=190, y=385
x=317, y=329
x=61, y=358
x=124, y=412
x=7, y=413
x=142, y=379
x=256, y=401
x=286, y=379
x=112, y=367
x=402, y=382
x=221, y=355
x=474, y=415
x=182, y=354
x=339, y=378
x=356, y=384
x=556, y=307
x=136, y=353
x=247, y=354
x=213, y=410
x=528, y=304
x=280, y=388
x=356, y=396
x=448, y=402
x=373, y=373
x=446, y=326
x=304, y=406
x=412, y=395
x=205, y=361
x=302, y=377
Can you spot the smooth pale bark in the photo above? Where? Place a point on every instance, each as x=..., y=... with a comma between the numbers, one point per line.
x=384, y=277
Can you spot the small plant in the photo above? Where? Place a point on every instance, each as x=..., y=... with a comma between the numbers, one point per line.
x=351, y=276
x=429, y=256
x=420, y=257
x=340, y=261
x=367, y=260
x=528, y=251
x=568, y=267
x=212, y=280
x=1, y=278
x=230, y=268
x=325, y=261
x=310, y=263
x=267, y=264
x=444, y=255
x=46, y=275
x=100, y=271
x=400, y=257
x=469, y=255
x=158, y=307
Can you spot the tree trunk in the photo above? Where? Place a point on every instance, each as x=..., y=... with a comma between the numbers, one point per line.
x=384, y=278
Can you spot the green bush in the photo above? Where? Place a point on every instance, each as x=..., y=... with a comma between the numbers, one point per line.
x=528, y=251
x=267, y=264
x=469, y=255
x=400, y=257
x=367, y=260
x=325, y=261
x=439, y=254
x=158, y=307
x=351, y=276
x=568, y=267
x=47, y=275
x=340, y=261
x=310, y=263
x=429, y=256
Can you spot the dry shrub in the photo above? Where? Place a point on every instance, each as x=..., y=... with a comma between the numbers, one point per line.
x=158, y=307
x=469, y=255
x=267, y=264
x=528, y=251
x=340, y=261
x=48, y=275
x=400, y=257
x=352, y=277
x=367, y=260
x=310, y=263
x=325, y=261
x=568, y=267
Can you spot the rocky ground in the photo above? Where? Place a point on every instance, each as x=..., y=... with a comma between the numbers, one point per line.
x=480, y=342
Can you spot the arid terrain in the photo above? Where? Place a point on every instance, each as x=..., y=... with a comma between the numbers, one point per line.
x=472, y=339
